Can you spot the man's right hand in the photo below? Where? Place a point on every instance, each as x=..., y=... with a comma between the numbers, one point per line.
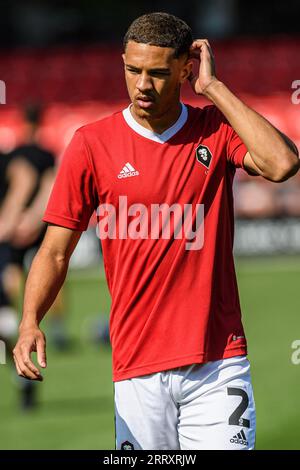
x=30, y=339
x=45, y=279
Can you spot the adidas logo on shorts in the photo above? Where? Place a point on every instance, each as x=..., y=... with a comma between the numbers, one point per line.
x=128, y=171
x=239, y=438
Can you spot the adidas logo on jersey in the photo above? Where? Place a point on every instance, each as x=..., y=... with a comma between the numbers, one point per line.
x=128, y=171
x=239, y=438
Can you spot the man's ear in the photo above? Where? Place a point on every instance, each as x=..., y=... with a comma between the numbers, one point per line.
x=123, y=57
x=186, y=70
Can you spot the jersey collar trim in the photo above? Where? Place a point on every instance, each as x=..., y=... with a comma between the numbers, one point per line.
x=160, y=138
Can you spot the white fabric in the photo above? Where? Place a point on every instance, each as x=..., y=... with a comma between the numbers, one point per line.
x=187, y=408
x=160, y=138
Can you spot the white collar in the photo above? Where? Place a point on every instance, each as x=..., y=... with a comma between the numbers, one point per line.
x=160, y=138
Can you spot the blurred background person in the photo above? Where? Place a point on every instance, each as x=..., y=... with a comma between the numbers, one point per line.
x=27, y=175
x=16, y=181
x=29, y=230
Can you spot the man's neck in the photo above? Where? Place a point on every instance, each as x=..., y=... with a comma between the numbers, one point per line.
x=161, y=124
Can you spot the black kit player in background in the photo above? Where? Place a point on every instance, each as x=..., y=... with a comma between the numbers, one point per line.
x=26, y=178
x=16, y=181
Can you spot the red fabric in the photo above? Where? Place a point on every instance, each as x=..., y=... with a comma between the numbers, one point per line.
x=74, y=196
x=170, y=306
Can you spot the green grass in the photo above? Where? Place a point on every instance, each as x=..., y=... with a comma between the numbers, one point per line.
x=76, y=397
x=270, y=299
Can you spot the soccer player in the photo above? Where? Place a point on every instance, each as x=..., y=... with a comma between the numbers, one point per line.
x=180, y=371
x=30, y=175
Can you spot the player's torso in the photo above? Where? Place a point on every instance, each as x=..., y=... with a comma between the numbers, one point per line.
x=156, y=284
x=188, y=168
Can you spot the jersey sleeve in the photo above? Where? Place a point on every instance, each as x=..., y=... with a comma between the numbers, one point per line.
x=74, y=197
x=236, y=149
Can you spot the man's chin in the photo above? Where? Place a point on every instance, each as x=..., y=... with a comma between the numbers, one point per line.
x=143, y=112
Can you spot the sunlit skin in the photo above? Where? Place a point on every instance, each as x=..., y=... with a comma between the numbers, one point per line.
x=154, y=78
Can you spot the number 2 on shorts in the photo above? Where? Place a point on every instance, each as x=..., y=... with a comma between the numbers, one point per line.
x=236, y=417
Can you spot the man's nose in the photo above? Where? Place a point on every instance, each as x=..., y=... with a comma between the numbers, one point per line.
x=144, y=82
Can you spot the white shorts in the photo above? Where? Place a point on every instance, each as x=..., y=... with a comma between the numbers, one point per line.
x=201, y=406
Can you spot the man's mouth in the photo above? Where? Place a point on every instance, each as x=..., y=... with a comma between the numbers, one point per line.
x=144, y=101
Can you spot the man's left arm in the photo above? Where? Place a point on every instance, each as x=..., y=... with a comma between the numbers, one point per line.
x=270, y=154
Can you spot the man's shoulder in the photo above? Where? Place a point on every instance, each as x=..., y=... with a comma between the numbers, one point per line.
x=209, y=117
x=104, y=126
x=209, y=111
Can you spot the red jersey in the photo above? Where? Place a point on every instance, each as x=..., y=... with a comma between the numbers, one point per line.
x=171, y=305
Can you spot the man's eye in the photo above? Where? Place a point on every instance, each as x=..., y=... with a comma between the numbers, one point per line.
x=132, y=71
x=160, y=74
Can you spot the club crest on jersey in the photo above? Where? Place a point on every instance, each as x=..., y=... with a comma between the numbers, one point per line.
x=203, y=155
x=127, y=446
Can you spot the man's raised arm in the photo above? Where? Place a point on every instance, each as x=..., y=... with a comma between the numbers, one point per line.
x=271, y=154
x=46, y=277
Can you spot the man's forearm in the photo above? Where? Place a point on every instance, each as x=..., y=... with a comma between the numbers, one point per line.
x=269, y=149
x=46, y=277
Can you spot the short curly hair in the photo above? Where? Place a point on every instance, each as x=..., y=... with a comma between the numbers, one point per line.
x=161, y=29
